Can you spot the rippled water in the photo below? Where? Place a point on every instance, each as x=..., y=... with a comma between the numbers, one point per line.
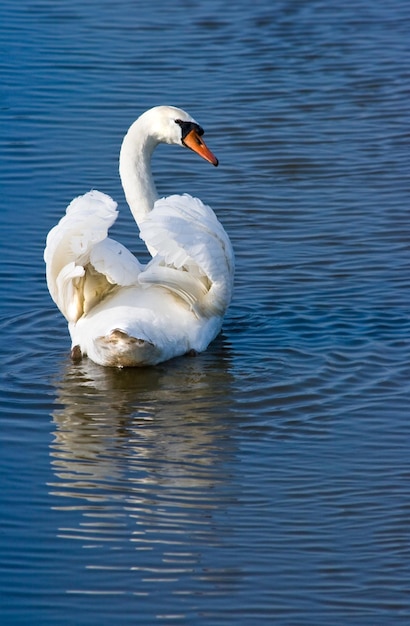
x=266, y=481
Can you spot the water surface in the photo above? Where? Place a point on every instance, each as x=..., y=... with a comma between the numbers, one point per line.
x=267, y=480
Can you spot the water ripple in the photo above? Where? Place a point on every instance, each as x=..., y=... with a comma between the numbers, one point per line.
x=267, y=479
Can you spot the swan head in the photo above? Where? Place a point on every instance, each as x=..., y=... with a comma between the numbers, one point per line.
x=174, y=126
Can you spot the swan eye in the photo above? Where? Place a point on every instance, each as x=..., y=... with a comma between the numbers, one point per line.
x=187, y=127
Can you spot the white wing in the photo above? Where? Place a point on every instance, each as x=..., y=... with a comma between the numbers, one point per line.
x=82, y=264
x=194, y=255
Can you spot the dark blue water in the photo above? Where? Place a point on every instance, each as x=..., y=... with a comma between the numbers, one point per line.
x=266, y=481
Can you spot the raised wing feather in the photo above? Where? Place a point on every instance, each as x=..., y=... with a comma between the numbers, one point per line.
x=82, y=264
x=191, y=241
x=116, y=262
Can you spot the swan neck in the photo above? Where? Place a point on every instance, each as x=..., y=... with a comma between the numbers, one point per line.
x=135, y=171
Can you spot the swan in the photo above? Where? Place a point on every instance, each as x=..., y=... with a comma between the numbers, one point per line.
x=121, y=313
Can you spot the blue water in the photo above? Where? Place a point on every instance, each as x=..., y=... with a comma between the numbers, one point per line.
x=267, y=480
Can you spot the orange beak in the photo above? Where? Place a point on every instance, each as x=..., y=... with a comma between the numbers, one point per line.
x=195, y=142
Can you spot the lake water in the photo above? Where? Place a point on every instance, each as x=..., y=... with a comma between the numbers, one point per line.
x=266, y=481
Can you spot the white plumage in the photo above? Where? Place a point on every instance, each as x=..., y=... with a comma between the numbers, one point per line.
x=121, y=313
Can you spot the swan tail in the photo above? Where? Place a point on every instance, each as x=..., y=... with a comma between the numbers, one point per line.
x=119, y=349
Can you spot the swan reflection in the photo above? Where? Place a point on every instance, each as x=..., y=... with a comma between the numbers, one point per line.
x=143, y=456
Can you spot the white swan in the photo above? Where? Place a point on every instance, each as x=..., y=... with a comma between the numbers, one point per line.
x=119, y=312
